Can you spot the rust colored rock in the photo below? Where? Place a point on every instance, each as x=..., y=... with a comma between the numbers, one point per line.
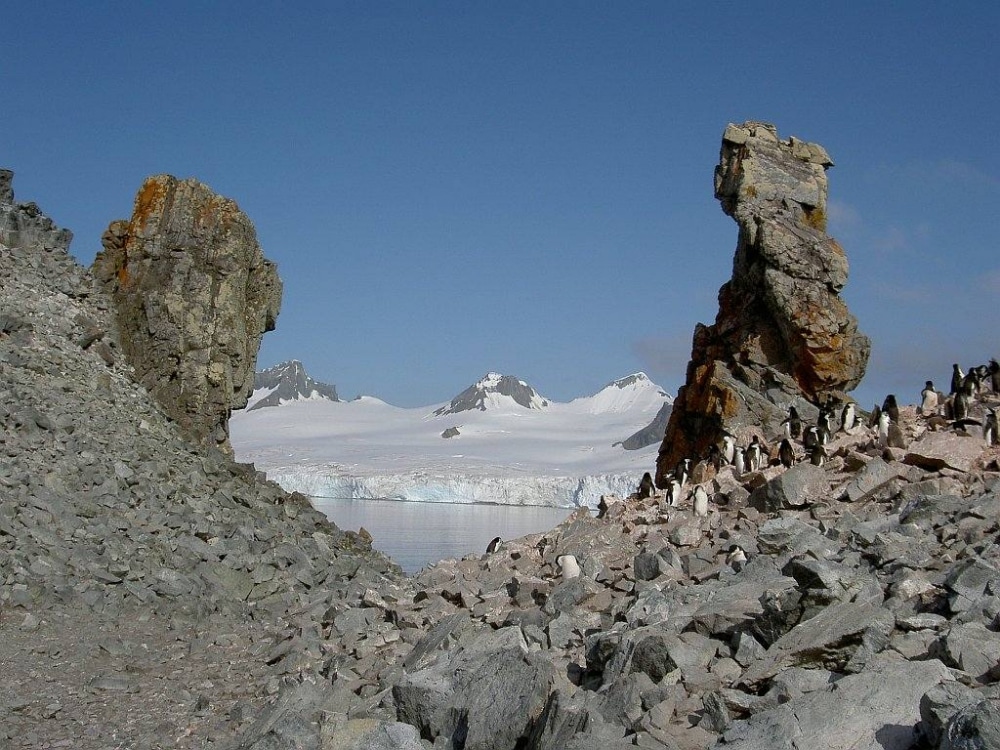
x=782, y=335
x=192, y=294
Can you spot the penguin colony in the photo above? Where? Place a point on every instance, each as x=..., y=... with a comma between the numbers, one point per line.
x=973, y=404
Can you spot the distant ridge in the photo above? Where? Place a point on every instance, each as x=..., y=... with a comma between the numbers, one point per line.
x=494, y=391
x=285, y=383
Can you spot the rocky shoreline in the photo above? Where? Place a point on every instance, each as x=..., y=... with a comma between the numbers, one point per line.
x=155, y=594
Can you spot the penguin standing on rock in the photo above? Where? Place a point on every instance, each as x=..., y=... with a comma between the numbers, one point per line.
x=700, y=502
x=817, y=456
x=683, y=471
x=754, y=454
x=890, y=406
x=849, y=417
x=991, y=428
x=646, y=486
x=810, y=438
x=494, y=545
x=882, y=430
x=736, y=558
x=994, y=370
x=957, y=376
x=786, y=454
x=792, y=424
x=728, y=448
x=739, y=462
x=929, y=400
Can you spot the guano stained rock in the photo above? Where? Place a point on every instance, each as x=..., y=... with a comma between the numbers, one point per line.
x=192, y=294
x=782, y=334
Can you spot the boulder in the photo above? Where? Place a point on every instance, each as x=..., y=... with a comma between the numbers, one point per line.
x=798, y=486
x=875, y=710
x=782, y=335
x=934, y=451
x=192, y=295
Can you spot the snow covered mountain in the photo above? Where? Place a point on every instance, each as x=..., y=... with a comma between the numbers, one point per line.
x=285, y=383
x=495, y=391
x=506, y=445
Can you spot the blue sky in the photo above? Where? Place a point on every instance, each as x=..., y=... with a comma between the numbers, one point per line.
x=452, y=188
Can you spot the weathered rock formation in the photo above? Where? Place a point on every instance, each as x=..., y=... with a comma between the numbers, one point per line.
x=193, y=294
x=24, y=224
x=782, y=334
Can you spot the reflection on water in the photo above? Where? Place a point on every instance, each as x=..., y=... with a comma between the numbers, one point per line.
x=416, y=535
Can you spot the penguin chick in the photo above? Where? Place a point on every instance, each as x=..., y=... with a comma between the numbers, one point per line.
x=700, y=501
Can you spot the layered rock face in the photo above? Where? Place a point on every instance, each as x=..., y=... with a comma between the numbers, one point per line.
x=193, y=294
x=782, y=334
x=24, y=224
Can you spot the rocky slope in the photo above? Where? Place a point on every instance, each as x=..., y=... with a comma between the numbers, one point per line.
x=153, y=594
x=782, y=335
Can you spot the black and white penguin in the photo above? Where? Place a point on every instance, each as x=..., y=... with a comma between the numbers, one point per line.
x=929, y=399
x=754, y=454
x=673, y=492
x=786, y=453
x=792, y=424
x=739, y=461
x=568, y=566
x=994, y=370
x=810, y=438
x=683, y=471
x=825, y=423
x=961, y=404
x=957, y=376
x=890, y=406
x=714, y=457
x=494, y=545
x=646, y=486
x=991, y=428
x=736, y=558
x=849, y=417
x=882, y=429
x=817, y=456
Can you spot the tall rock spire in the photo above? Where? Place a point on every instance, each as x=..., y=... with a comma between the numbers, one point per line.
x=782, y=334
x=192, y=294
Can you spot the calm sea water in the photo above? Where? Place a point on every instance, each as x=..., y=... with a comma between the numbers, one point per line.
x=416, y=535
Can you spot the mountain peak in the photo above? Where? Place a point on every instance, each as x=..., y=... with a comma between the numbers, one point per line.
x=493, y=391
x=287, y=382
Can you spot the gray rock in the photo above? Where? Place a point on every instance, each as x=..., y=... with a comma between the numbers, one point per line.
x=875, y=710
x=939, y=704
x=372, y=734
x=973, y=727
x=800, y=485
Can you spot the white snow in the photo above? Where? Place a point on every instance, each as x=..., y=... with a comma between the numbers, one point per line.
x=366, y=448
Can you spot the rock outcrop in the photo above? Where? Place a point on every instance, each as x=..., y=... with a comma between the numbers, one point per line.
x=193, y=294
x=782, y=335
x=24, y=224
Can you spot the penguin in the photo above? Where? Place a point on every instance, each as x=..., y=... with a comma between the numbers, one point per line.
x=825, y=422
x=972, y=383
x=991, y=428
x=736, y=558
x=754, y=454
x=739, y=462
x=568, y=566
x=714, y=456
x=683, y=471
x=817, y=457
x=960, y=405
x=728, y=448
x=786, y=454
x=646, y=486
x=994, y=370
x=810, y=438
x=849, y=417
x=792, y=424
x=957, y=376
x=700, y=501
x=673, y=493
x=873, y=417
x=882, y=430
x=494, y=545
x=928, y=399
x=890, y=406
